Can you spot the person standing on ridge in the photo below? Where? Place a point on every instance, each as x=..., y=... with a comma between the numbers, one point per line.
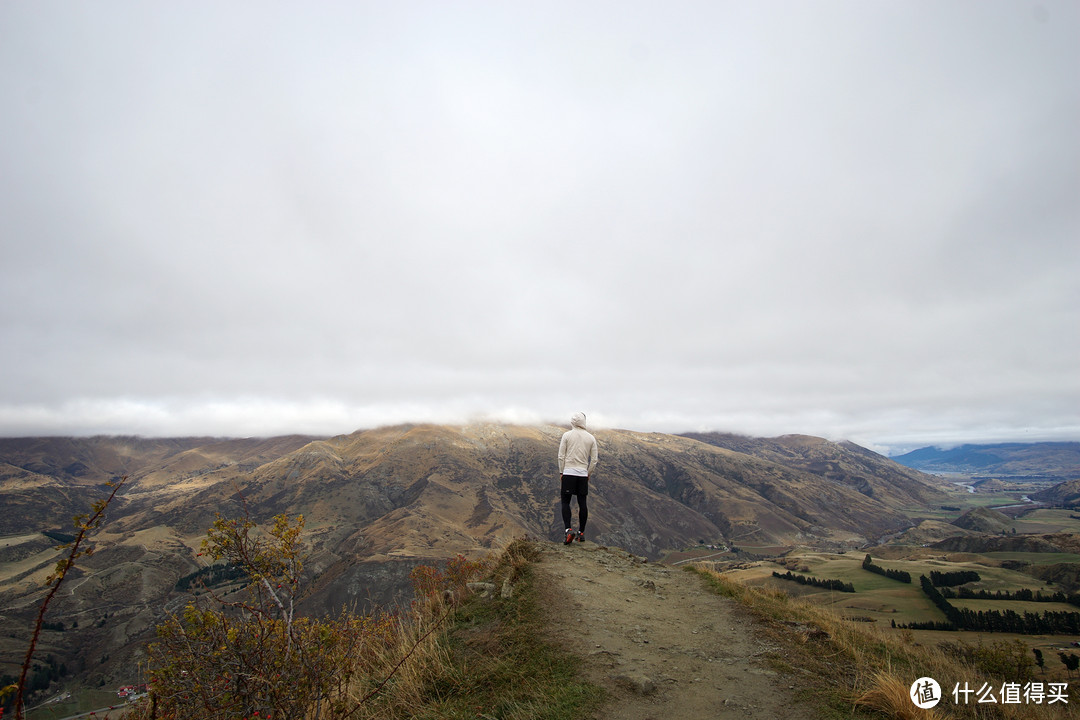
x=577, y=458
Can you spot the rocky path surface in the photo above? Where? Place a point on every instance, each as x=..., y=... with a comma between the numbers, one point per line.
x=662, y=644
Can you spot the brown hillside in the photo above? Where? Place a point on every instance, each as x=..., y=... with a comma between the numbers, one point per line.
x=378, y=502
x=984, y=520
x=844, y=462
x=1053, y=543
x=1065, y=494
x=410, y=493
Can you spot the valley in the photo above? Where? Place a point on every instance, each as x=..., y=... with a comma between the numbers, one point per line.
x=1010, y=545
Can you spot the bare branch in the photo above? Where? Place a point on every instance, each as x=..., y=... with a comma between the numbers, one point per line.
x=83, y=524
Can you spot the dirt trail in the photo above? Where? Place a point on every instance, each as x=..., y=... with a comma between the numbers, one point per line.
x=661, y=643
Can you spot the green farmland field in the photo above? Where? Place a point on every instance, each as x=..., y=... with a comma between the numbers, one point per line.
x=884, y=600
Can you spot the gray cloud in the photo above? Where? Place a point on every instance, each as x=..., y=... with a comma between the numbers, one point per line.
x=844, y=219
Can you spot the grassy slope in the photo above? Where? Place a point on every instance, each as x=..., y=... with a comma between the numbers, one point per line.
x=880, y=597
x=850, y=669
x=495, y=662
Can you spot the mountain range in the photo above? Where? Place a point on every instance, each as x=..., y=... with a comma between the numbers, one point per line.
x=378, y=502
x=1053, y=461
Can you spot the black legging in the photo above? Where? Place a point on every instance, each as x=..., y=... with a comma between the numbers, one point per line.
x=583, y=510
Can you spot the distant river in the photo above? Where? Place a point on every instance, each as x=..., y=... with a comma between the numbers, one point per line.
x=1024, y=500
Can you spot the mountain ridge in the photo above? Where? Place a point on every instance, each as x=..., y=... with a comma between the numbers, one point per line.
x=391, y=467
x=853, y=465
x=1050, y=460
x=378, y=502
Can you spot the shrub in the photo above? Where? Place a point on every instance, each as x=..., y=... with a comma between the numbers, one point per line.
x=1005, y=659
x=254, y=656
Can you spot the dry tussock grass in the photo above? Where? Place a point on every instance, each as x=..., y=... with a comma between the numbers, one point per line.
x=888, y=695
x=407, y=666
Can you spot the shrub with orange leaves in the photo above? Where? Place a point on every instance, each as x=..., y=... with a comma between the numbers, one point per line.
x=255, y=657
x=430, y=583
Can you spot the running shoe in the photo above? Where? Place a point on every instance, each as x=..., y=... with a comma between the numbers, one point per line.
x=569, y=536
x=581, y=536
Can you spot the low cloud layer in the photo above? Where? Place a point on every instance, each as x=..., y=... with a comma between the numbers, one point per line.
x=836, y=218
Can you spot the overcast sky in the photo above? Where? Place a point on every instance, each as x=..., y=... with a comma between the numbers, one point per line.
x=850, y=219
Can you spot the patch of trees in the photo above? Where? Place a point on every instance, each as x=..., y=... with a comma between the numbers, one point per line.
x=211, y=575
x=925, y=625
x=58, y=536
x=826, y=583
x=955, y=577
x=1025, y=594
x=901, y=575
x=1071, y=662
x=1047, y=623
x=39, y=678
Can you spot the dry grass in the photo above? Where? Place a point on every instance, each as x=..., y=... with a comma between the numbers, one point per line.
x=854, y=669
x=404, y=668
x=475, y=657
x=888, y=695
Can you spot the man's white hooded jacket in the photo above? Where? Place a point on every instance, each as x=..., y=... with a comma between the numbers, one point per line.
x=577, y=449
